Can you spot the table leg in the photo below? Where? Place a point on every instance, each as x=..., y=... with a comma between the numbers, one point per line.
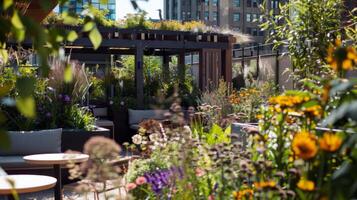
x=58, y=187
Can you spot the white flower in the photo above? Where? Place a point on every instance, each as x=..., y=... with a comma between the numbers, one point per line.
x=137, y=139
x=154, y=137
x=187, y=130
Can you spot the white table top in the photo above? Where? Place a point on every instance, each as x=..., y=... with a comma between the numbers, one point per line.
x=26, y=183
x=55, y=158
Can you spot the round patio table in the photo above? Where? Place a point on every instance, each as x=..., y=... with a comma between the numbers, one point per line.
x=56, y=159
x=25, y=184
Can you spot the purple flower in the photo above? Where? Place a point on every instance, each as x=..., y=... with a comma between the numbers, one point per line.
x=60, y=96
x=66, y=99
x=162, y=178
x=48, y=115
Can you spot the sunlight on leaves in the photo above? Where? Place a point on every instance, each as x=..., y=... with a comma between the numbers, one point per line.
x=72, y=36
x=26, y=105
x=68, y=77
x=16, y=21
x=7, y=3
x=95, y=37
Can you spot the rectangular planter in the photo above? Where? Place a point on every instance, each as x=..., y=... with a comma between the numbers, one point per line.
x=73, y=139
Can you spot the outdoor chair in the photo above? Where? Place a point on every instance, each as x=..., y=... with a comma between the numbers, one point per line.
x=24, y=143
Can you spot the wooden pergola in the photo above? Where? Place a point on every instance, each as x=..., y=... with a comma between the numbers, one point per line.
x=215, y=51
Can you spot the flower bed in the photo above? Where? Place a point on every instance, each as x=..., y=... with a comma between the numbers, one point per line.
x=287, y=157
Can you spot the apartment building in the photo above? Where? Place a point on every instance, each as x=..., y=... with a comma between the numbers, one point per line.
x=76, y=6
x=240, y=15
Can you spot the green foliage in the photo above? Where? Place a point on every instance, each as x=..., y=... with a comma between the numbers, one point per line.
x=307, y=28
x=247, y=101
x=216, y=135
x=158, y=91
x=217, y=95
x=78, y=117
x=97, y=89
x=136, y=21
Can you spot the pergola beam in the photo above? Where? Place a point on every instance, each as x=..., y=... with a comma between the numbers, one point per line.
x=139, y=75
x=122, y=43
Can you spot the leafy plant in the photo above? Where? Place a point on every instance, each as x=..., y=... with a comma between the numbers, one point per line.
x=307, y=28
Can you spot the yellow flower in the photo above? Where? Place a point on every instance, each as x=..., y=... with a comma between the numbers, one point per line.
x=339, y=57
x=288, y=100
x=304, y=145
x=330, y=142
x=265, y=184
x=315, y=110
x=306, y=185
x=243, y=194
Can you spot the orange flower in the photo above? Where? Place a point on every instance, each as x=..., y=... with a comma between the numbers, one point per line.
x=265, y=184
x=326, y=93
x=306, y=185
x=330, y=142
x=304, y=145
x=243, y=194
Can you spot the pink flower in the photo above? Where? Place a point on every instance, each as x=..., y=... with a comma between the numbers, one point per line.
x=130, y=186
x=140, y=180
x=211, y=197
x=199, y=172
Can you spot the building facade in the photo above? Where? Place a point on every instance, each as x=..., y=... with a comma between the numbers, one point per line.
x=239, y=15
x=76, y=6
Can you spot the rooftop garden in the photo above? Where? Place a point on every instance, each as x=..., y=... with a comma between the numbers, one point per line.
x=219, y=142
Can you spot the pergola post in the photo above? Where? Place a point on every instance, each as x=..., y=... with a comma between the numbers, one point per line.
x=166, y=67
x=181, y=66
x=227, y=61
x=139, y=75
x=201, y=71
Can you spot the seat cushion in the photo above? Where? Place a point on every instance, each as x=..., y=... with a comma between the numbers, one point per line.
x=137, y=116
x=104, y=123
x=134, y=126
x=33, y=142
x=17, y=162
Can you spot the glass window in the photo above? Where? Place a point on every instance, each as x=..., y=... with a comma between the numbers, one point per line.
x=215, y=16
x=96, y=5
x=207, y=2
x=236, y=17
x=214, y=2
x=254, y=32
x=206, y=15
x=255, y=3
x=249, y=17
x=249, y=3
x=254, y=17
x=236, y=3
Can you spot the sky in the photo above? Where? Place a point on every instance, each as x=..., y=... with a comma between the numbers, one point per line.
x=124, y=7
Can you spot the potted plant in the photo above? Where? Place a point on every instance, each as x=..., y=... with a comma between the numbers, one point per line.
x=58, y=100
